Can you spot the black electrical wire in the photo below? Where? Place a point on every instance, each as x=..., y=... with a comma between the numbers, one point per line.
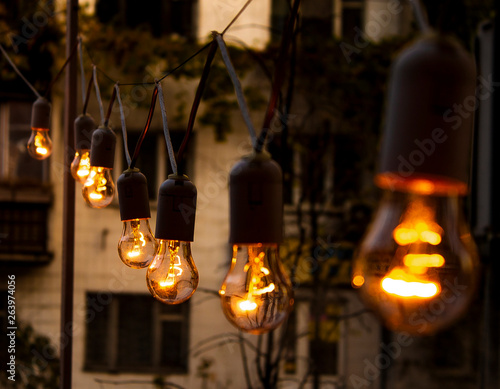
x=197, y=99
x=146, y=127
x=124, y=129
x=19, y=72
x=110, y=107
x=87, y=95
x=166, y=132
x=54, y=80
x=279, y=74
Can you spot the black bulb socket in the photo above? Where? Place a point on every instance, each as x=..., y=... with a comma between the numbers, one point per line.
x=40, y=114
x=84, y=127
x=133, y=195
x=102, y=149
x=176, y=209
x=429, y=113
x=256, y=200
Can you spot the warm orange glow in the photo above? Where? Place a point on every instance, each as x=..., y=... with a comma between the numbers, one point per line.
x=95, y=196
x=98, y=190
x=404, y=236
x=268, y=289
x=358, y=281
x=39, y=144
x=174, y=271
x=42, y=150
x=84, y=166
x=418, y=225
x=430, y=237
x=257, y=285
x=403, y=284
x=247, y=305
x=139, y=242
x=421, y=184
x=423, y=260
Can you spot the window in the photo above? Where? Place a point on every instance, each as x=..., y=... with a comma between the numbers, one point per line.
x=23, y=231
x=349, y=14
x=348, y=167
x=136, y=333
x=161, y=16
x=322, y=18
x=25, y=195
x=306, y=163
x=317, y=19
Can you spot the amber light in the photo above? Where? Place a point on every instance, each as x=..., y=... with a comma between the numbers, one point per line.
x=420, y=185
x=256, y=294
x=172, y=277
x=403, y=284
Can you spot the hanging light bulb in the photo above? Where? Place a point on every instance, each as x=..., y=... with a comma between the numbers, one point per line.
x=137, y=245
x=80, y=167
x=172, y=277
x=417, y=265
x=256, y=294
x=99, y=188
x=39, y=143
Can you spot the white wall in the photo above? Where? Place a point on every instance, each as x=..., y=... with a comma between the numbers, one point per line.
x=252, y=27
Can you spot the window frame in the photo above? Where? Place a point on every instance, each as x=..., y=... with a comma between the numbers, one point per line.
x=111, y=341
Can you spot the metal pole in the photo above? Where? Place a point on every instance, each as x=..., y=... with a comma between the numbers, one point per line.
x=493, y=244
x=67, y=285
x=485, y=206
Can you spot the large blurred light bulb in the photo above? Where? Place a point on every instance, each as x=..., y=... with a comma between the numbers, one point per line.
x=416, y=267
x=99, y=188
x=256, y=294
x=172, y=277
x=137, y=245
x=80, y=167
x=39, y=143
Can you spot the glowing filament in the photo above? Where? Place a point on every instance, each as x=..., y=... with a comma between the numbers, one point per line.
x=39, y=144
x=84, y=166
x=257, y=285
x=174, y=271
x=423, y=260
x=402, y=284
x=247, y=305
x=421, y=231
x=100, y=189
x=139, y=242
